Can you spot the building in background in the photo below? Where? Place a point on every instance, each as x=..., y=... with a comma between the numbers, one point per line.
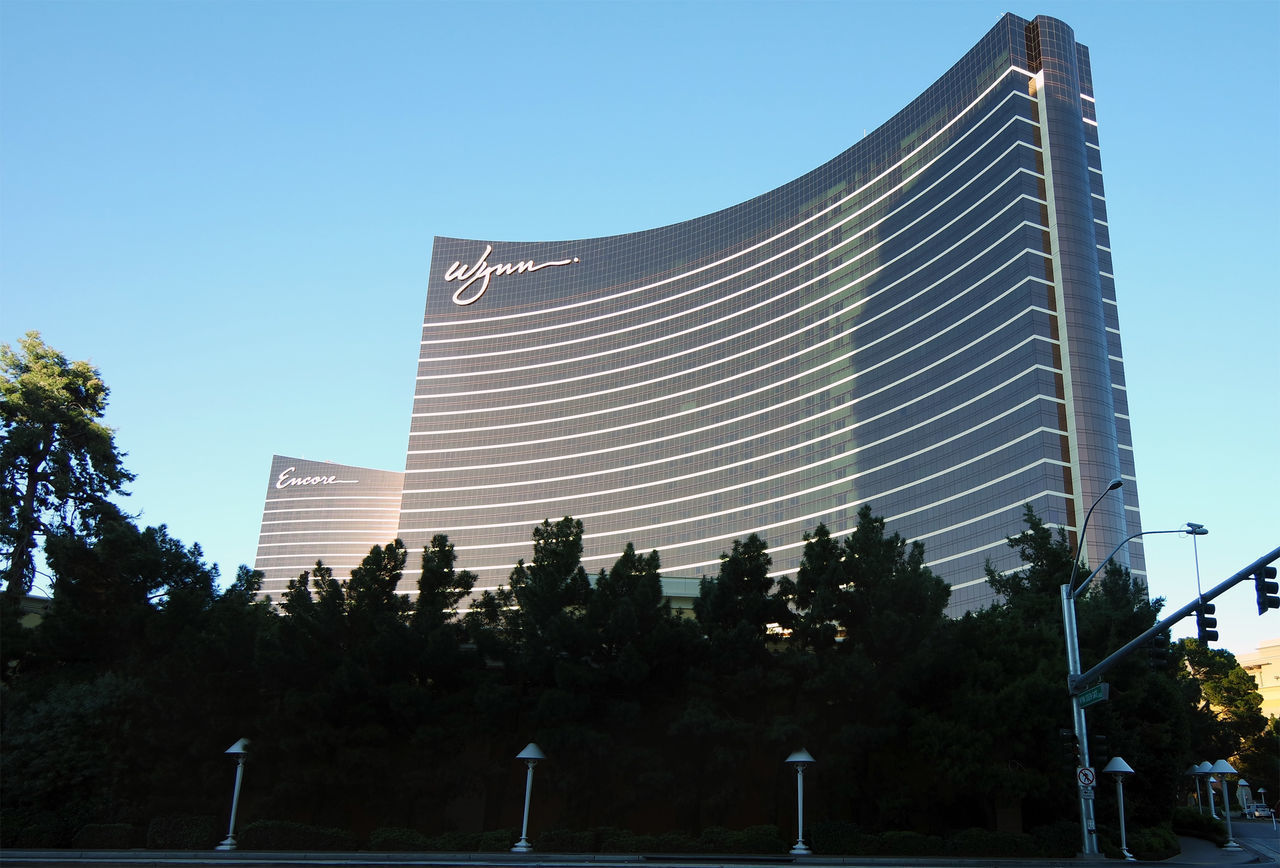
x=926, y=324
x=1264, y=665
x=317, y=510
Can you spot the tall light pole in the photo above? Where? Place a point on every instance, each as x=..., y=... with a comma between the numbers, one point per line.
x=237, y=750
x=1089, y=829
x=1070, y=592
x=531, y=754
x=799, y=760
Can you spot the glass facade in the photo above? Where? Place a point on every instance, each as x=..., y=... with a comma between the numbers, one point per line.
x=926, y=324
x=317, y=510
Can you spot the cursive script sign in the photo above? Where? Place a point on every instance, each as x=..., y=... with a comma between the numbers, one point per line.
x=286, y=478
x=482, y=271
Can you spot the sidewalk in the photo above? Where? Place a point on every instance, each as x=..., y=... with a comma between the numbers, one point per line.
x=1197, y=851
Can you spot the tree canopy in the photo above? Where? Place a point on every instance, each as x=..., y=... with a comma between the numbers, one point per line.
x=369, y=705
x=58, y=462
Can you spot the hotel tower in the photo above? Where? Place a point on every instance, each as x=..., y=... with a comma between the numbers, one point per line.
x=927, y=324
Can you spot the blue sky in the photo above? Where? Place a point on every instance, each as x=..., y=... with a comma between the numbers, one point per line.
x=228, y=207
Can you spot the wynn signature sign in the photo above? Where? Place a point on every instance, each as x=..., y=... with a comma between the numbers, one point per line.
x=482, y=272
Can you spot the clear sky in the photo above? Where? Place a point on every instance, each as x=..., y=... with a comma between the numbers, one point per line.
x=228, y=207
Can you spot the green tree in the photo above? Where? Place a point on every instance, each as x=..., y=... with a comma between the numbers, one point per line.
x=441, y=587
x=550, y=594
x=895, y=601
x=58, y=462
x=627, y=603
x=107, y=590
x=1225, y=697
x=819, y=592
x=739, y=600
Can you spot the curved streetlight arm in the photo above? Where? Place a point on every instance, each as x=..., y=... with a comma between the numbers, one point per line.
x=1191, y=529
x=1075, y=561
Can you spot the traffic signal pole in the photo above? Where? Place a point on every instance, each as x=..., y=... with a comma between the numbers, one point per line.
x=1077, y=683
x=1089, y=829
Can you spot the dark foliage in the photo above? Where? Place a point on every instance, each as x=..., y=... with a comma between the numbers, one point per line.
x=396, y=721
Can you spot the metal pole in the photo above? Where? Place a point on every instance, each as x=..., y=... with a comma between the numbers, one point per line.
x=1213, y=811
x=1115, y=657
x=523, y=846
x=230, y=842
x=1088, y=826
x=1124, y=843
x=1226, y=809
x=800, y=849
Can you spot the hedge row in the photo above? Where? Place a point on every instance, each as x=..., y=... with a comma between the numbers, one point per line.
x=1193, y=824
x=1060, y=840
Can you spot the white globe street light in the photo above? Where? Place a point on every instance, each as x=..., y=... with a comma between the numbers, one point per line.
x=799, y=760
x=531, y=754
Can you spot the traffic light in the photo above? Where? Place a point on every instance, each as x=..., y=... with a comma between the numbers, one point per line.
x=1158, y=651
x=1206, y=624
x=1070, y=746
x=1268, y=589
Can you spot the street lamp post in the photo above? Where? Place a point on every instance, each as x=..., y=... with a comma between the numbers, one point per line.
x=1088, y=826
x=1222, y=768
x=799, y=760
x=1070, y=592
x=531, y=754
x=1204, y=769
x=1194, y=773
x=1119, y=768
x=237, y=750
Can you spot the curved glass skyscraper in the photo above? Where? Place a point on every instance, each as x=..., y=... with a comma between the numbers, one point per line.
x=926, y=324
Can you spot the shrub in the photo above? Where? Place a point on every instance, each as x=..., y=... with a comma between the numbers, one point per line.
x=1154, y=844
x=1059, y=840
x=833, y=837
x=182, y=833
x=566, y=841
x=286, y=835
x=1192, y=823
x=103, y=836
x=676, y=842
x=909, y=844
x=496, y=840
x=38, y=831
x=454, y=842
x=985, y=843
x=398, y=839
x=623, y=841
x=757, y=839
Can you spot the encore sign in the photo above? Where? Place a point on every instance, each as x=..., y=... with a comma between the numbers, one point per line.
x=482, y=271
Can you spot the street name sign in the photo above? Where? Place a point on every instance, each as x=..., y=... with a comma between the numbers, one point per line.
x=1100, y=692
